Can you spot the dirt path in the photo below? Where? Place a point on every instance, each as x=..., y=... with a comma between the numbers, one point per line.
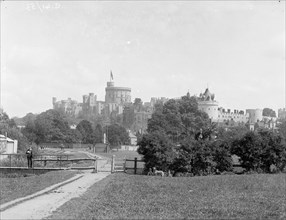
x=43, y=206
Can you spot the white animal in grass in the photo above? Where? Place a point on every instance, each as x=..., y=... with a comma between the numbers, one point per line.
x=158, y=172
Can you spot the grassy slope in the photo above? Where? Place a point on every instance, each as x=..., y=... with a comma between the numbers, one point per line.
x=13, y=188
x=122, y=196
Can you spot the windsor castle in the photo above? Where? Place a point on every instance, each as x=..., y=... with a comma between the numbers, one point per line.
x=118, y=102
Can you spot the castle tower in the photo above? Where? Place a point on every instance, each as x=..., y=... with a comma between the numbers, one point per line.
x=207, y=104
x=118, y=95
x=255, y=115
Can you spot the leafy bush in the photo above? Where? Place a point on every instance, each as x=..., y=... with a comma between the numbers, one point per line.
x=259, y=150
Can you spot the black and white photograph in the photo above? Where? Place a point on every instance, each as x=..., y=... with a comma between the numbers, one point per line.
x=124, y=109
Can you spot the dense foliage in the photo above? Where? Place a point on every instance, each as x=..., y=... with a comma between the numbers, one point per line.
x=116, y=135
x=259, y=150
x=181, y=138
x=268, y=112
x=178, y=138
x=50, y=126
x=282, y=128
x=86, y=131
x=53, y=126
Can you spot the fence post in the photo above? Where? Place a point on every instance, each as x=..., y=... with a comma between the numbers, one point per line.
x=124, y=165
x=135, y=165
x=10, y=158
x=95, y=165
x=112, y=163
x=60, y=161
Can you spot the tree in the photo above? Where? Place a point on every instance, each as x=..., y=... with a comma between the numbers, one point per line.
x=222, y=155
x=232, y=133
x=249, y=148
x=30, y=130
x=29, y=117
x=73, y=136
x=51, y=127
x=259, y=150
x=117, y=135
x=87, y=133
x=138, y=104
x=268, y=112
x=282, y=128
x=128, y=116
x=178, y=119
x=157, y=151
x=170, y=142
x=98, y=134
x=273, y=150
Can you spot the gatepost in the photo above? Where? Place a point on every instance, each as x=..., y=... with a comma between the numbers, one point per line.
x=112, y=163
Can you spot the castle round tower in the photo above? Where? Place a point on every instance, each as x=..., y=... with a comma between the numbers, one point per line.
x=207, y=104
x=119, y=95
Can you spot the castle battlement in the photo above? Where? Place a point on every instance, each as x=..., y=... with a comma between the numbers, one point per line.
x=208, y=104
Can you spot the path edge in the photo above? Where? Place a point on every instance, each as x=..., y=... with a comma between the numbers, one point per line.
x=12, y=203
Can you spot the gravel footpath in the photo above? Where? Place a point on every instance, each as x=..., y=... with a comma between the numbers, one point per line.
x=43, y=205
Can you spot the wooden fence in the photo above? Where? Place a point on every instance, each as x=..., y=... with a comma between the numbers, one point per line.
x=125, y=165
x=65, y=145
x=43, y=159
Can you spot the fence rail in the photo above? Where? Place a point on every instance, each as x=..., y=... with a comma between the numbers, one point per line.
x=20, y=160
x=123, y=165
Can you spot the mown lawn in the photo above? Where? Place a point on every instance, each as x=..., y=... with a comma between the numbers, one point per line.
x=20, y=186
x=122, y=196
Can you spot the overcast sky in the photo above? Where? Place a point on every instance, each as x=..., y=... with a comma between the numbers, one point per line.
x=159, y=49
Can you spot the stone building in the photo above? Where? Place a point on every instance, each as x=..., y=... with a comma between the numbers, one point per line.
x=69, y=106
x=282, y=113
x=116, y=98
x=89, y=104
x=253, y=117
x=208, y=104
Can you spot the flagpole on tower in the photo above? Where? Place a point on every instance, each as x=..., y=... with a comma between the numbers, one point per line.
x=111, y=75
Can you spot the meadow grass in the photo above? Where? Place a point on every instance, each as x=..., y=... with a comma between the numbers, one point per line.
x=21, y=186
x=122, y=196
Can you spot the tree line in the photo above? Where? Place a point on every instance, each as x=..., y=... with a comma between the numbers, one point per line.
x=53, y=126
x=181, y=138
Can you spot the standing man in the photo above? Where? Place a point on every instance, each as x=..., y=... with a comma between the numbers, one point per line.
x=29, y=157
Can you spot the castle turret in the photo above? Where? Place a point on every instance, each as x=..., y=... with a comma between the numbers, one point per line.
x=207, y=104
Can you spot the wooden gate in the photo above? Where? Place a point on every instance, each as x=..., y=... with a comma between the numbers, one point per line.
x=103, y=165
x=131, y=166
x=117, y=164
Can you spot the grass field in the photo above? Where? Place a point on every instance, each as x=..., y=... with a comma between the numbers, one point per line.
x=122, y=196
x=20, y=186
